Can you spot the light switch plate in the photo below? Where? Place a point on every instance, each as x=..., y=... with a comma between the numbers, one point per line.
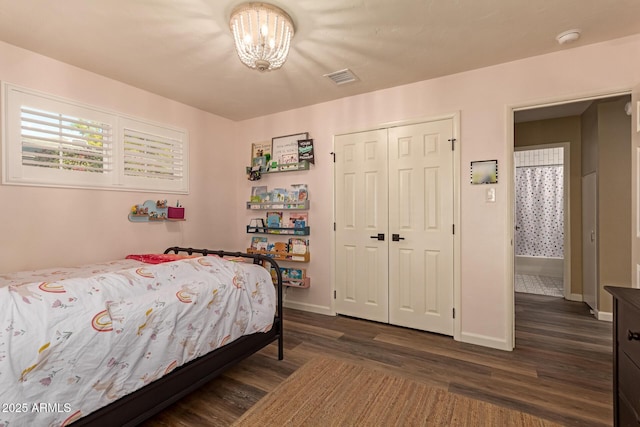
x=491, y=195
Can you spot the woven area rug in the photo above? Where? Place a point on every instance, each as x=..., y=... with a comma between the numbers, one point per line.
x=328, y=392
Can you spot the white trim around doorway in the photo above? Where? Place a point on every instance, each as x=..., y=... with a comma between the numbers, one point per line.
x=510, y=110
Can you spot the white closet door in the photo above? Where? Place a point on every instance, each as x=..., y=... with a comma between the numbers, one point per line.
x=361, y=214
x=421, y=214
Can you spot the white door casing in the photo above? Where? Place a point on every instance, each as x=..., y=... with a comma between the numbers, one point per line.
x=590, y=240
x=635, y=186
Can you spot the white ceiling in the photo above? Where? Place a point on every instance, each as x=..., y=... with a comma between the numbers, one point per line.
x=182, y=49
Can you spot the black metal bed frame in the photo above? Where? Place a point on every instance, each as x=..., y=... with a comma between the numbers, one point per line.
x=134, y=408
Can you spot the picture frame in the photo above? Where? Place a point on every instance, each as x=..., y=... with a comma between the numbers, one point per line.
x=284, y=149
x=484, y=172
x=305, y=151
x=259, y=149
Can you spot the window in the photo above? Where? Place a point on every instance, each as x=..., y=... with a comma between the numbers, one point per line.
x=49, y=141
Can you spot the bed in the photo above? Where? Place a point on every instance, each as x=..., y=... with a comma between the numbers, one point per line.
x=115, y=343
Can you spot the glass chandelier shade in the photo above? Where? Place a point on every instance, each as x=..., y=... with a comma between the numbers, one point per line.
x=262, y=34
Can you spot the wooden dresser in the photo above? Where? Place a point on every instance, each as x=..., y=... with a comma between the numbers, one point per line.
x=626, y=355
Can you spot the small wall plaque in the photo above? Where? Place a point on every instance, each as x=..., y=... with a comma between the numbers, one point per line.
x=484, y=172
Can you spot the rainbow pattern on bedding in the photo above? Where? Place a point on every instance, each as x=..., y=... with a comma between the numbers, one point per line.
x=71, y=346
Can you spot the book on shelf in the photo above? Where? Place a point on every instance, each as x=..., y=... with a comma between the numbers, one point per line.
x=298, y=246
x=296, y=219
x=274, y=219
x=305, y=150
x=296, y=193
x=290, y=273
x=259, y=243
x=301, y=192
x=258, y=194
x=279, y=195
x=260, y=162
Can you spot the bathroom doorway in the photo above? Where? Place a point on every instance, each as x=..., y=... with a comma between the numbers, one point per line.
x=541, y=220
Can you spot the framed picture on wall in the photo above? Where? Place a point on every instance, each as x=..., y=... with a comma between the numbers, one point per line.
x=484, y=172
x=285, y=148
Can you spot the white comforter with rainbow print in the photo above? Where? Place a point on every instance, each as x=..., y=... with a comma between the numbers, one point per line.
x=69, y=347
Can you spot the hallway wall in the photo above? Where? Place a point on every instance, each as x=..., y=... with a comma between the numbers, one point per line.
x=614, y=201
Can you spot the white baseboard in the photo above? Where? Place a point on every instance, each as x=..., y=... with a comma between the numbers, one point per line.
x=604, y=316
x=485, y=341
x=575, y=297
x=312, y=308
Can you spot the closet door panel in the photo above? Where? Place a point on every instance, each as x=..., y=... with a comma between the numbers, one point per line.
x=361, y=215
x=421, y=215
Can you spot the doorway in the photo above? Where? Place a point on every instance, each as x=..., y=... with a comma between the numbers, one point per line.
x=600, y=143
x=542, y=222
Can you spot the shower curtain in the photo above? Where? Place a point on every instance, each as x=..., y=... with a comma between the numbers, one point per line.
x=539, y=211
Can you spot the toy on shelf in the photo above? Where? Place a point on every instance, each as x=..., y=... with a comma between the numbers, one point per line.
x=139, y=210
x=156, y=211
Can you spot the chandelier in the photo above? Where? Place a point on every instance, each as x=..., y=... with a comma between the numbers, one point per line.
x=262, y=34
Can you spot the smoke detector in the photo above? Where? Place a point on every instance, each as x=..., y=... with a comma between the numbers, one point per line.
x=568, y=36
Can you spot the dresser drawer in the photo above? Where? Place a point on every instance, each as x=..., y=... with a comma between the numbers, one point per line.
x=629, y=383
x=626, y=415
x=628, y=321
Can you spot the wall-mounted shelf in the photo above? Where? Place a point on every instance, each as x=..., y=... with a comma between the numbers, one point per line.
x=289, y=167
x=300, y=279
x=152, y=211
x=304, y=283
x=301, y=205
x=297, y=231
x=282, y=256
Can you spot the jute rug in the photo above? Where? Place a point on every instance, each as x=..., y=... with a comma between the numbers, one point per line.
x=328, y=392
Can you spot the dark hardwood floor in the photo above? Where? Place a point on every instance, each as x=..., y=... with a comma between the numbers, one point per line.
x=561, y=368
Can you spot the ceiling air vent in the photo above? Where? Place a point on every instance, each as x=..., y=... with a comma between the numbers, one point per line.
x=341, y=77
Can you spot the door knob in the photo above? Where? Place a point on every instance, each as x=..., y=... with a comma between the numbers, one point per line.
x=396, y=237
x=380, y=236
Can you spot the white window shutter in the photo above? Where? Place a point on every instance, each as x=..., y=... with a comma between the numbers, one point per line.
x=51, y=141
x=154, y=157
x=58, y=141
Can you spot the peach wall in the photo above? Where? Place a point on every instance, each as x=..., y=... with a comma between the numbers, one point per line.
x=484, y=98
x=43, y=227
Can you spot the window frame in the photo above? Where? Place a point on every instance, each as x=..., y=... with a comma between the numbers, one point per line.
x=14, y=172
